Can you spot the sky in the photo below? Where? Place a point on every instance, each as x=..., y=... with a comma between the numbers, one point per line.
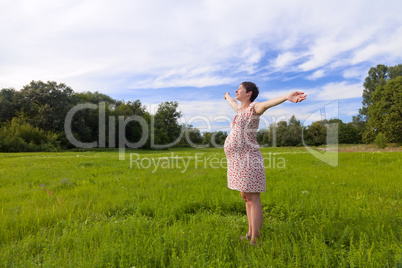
x=193, y=52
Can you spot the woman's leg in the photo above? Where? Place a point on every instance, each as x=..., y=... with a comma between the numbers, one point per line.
x=248, y=211
x=256, y=214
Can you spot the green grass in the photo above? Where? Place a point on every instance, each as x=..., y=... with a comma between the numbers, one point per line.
x=88, y=209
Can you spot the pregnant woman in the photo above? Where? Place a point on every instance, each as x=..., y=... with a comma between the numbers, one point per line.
x=246, y=172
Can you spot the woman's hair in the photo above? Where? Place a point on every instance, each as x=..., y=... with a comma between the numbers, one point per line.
x=250, y=86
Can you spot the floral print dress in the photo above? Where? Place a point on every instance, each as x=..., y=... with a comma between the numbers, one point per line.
x=245, y=164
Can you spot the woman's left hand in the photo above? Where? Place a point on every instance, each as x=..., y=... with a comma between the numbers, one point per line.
x=296, y=96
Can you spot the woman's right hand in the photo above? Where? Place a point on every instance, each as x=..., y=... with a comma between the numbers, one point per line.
x=296, y=96
x=226, y=94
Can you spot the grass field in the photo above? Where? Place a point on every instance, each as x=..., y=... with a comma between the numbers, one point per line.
x=88, y=209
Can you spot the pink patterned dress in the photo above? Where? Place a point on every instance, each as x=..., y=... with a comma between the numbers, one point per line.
x=245, y=164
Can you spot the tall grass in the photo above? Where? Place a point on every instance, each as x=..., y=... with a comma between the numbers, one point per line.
x=88, y=209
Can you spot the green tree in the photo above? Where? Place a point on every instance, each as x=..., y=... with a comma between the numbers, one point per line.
x=214, y=138
x=93, y=97
x=166, y=122
x=316, y=133
x=133, y=129
x=295, y=132
x=282, y=134
x=219, y=137
x=45, y=105
x=358, y=125
x=194, y=134
x=287, y=133
x=260, y=136
x=380, y=140
x=377, y=76
x=8, y=107
x=129, y=108
x=395, y=71
x=349, y=134
x=385, y=113
x=270, y=136
x=85, y=123
x=191, y=136
x=207, y=139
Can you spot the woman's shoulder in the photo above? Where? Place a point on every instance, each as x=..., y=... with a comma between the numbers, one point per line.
x=252, y=107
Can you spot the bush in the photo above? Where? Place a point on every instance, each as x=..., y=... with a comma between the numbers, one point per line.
x=380, y=141
x=20, y=136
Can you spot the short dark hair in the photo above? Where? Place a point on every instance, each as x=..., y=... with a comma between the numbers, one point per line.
x=250, y=86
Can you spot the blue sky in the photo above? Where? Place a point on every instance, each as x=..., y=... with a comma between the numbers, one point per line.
x=194, y=51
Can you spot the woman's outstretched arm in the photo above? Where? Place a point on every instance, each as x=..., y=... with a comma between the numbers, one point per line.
x=295, y=96
x=231, y=101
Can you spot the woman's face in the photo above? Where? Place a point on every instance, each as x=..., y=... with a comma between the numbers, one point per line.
x=241, y=94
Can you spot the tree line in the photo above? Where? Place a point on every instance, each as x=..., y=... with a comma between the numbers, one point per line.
x=381, y=114
x=34, y=119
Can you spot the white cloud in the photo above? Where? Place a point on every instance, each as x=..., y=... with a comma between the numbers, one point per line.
x=108, y=45
x=285, y=59
x=355, y=73
x=342, y=93
x=207, y=115
x=388, y=46
x=317, y=74
x=330, y=46
x=267, y=95
x=339, y=90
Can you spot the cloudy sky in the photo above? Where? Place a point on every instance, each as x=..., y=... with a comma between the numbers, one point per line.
x=194, y=51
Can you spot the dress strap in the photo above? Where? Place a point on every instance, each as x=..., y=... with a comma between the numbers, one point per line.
x=252, y=108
